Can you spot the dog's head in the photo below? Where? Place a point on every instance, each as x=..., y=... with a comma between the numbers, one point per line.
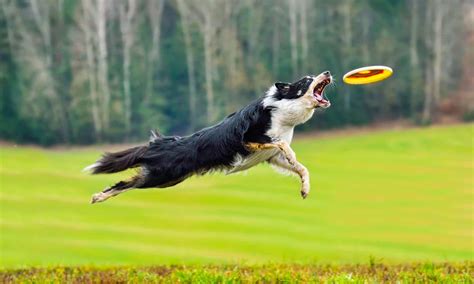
x=308, y=91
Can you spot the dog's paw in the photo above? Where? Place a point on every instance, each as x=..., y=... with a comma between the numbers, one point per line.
x=98, y=197
x=305, y=187
x=304, y=194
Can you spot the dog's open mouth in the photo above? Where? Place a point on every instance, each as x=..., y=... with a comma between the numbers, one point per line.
x=318, y=93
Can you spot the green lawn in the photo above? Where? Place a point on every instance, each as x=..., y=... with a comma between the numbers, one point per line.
x=396, y=196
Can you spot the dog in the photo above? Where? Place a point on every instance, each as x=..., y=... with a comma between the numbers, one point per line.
x=260, y=132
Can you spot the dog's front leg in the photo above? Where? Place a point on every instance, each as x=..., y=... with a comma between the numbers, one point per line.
x=287, y=160
x=281, y=161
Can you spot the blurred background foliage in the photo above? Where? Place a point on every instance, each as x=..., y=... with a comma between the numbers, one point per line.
x=96, y=71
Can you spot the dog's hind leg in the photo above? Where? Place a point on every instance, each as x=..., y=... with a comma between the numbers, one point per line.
x=116, y=189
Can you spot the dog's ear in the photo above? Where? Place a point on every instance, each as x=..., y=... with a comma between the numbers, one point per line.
x=282, y=87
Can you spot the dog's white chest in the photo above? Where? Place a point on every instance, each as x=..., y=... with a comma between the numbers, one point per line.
x=282, y=133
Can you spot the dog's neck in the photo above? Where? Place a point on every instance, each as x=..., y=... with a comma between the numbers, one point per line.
x=285, y=115
x=288, y=113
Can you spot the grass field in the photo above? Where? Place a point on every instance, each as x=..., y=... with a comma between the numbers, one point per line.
x=395, y=196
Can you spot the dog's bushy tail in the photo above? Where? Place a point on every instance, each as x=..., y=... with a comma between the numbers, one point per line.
x=118, y=161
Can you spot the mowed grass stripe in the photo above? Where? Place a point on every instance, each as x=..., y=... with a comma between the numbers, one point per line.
x=245, y=253
x=247, y=221
x=172, y=234
x=397, y=195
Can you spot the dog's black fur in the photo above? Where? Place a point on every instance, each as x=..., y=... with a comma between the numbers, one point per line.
x=168, y=160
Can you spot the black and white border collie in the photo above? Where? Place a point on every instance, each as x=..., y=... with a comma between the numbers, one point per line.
x=260, y=132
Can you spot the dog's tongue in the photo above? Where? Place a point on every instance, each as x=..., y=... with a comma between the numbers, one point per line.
x=321, y=99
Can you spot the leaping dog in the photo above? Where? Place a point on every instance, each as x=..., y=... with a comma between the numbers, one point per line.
x=260, y=132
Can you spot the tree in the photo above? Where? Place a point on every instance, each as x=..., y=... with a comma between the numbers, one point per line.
x=128, y=29
x=97, y=70
x=85, y=23
x=292, y=11
x=185, y=25
x=33, y=43
x=414, y=57
x=100, y=21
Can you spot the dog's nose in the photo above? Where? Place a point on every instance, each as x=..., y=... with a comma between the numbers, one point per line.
x=327, y=73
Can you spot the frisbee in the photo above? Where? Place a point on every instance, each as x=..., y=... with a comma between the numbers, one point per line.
x=367, y=75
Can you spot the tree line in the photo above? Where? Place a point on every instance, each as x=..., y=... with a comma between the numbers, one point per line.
x=93, y=71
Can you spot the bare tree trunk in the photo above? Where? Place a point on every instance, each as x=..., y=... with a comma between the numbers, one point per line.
x=229, y=52
x=155, y=11
x=414, y=59
x=428, y=101
x=293, y=37
x=466, y=99
x=85, y=25
x=438, y=48
x=428, y=88
x=208, y=65
x=126, y=25
x=347, y=40
x=303, y=4
x=100, y=21
x=347, y=29
x=205, y=16
x=8, y=12
x=229, y=39
x=252, y=35
x=42, y=22
x=365, y=35
x=254, y=44
x=414, y=33
x=184, y=13
x=276, y=40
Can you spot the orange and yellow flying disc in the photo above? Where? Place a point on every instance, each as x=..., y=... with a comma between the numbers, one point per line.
x=367, y=75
